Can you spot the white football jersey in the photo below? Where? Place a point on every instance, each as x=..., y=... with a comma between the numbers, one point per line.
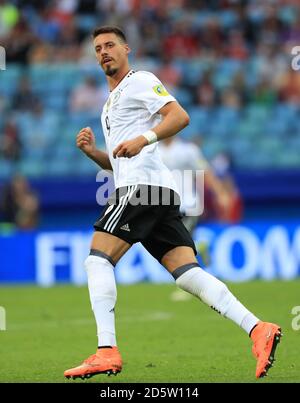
x=132, y=109
x=182, y=155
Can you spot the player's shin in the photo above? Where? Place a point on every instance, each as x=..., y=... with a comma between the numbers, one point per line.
x=214, y=293
x=103, y=296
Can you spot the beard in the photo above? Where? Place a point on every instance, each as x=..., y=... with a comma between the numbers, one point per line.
x=110, y=71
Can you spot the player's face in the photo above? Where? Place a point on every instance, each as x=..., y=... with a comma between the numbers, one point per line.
x=111, y=52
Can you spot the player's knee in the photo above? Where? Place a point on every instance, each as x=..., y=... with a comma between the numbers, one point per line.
x=98, y=258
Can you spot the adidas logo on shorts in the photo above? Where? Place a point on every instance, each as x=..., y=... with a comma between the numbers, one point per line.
x=125, y=227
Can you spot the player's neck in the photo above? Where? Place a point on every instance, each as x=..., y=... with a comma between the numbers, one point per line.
x=115, y=80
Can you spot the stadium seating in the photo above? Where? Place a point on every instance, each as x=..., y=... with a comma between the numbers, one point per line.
x=256, y=134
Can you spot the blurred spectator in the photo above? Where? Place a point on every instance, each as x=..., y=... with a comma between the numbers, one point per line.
x=87, y=6
x=245, y=24
x=240, y=86
x=19, y=43
x=151, y=44
x=264, y=93
x=206, y=93
x=270, y=62
x=46, y=26
x=41, y=53
x=132, y=33
x=88, y=97
x=40, y=130
x=181, y=42
x=19, y=204
x=24, y=98
x=211, y=37
x=289, y=87
x=69, y=39
x=291, y=34
x=114, y=9
x=64, y=10
x=272, y=26
x=169, y=74
x=10, y=145
x=231, y=99
x=236, y=47
x=68, y=34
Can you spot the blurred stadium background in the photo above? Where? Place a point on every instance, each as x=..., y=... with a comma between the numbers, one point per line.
x=229, y=63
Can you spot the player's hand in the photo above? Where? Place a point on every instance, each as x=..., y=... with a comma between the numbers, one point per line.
x=130, y=148
x=85, y=140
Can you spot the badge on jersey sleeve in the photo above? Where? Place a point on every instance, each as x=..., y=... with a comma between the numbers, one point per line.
x=160, y=90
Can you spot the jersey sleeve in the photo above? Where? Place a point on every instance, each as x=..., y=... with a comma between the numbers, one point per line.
x=151, y=92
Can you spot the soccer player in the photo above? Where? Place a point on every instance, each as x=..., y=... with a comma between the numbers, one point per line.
x=183, y=156
x=138, y=113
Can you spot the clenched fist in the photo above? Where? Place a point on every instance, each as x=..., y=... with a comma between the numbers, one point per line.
x=85, y=140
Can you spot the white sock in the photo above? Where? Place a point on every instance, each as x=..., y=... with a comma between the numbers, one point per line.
x=103, y=296
x=215, y=294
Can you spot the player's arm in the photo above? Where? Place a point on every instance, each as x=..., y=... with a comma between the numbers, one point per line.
x=86, y=142
x=223, y=198
x=174, y=119
x=213, y=183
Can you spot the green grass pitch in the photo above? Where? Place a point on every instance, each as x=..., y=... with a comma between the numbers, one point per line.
x=161, y=340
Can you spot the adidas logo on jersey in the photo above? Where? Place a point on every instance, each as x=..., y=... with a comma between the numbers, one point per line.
x=125, y=227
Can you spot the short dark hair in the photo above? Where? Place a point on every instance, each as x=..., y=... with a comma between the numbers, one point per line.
x=107, y=29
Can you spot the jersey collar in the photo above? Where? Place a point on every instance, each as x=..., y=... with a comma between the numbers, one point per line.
x=129, y=74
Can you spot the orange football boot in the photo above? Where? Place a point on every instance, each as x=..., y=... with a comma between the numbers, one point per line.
x=105, y=361
x=265, y=337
